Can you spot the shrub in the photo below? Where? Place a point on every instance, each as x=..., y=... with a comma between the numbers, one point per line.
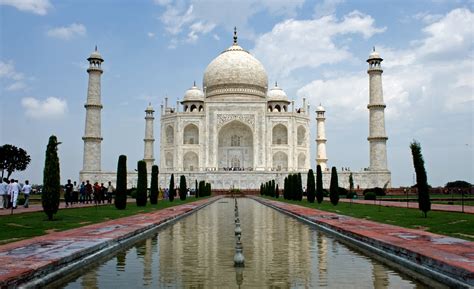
x=277, y=192
x=377, y=191
x=334, y=187
x=319, y=185
x=183, y=189
x=51, y=179
x=343, y=191
x=171, y=191
x=370, y=196
x=310, y=187
x=154, y=185
x=350, y=195
x=121, y=186
x=142, y=186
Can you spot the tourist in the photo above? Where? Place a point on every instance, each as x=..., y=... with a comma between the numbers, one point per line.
x=14, y=192
x=88, y=192
x=75, y=193
x=97, y=192
x=103, y=193
x=3, y=193
x=26, y=193
x=68, y=193
x=82, y=193
x=110, y=192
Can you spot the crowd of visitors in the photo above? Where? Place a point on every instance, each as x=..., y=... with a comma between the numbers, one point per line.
x=9, y=192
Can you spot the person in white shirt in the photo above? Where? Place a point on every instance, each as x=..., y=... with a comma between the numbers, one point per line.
x=26, y=192
x=3, y=193
x=9, y=193
x=15, y=190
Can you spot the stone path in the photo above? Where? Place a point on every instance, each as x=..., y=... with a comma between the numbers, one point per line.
x=450, y=256
x=414, y=205
x=32, y=258
x=38, y=208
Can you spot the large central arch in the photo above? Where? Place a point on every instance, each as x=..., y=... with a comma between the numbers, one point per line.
x=235, y=148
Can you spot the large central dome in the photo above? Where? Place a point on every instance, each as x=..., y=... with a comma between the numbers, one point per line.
x=235, y=71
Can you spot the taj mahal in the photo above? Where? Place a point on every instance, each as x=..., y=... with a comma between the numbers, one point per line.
x=237, y=131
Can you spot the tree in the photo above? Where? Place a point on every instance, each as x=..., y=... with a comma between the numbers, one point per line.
x=51, y=179
x=121, y=186
x=183, y=189
x=142, y=186
x=171, y=191
x=13, y=159
x=196, y=188
x=319, y=185
x=334, y=187
x=277, y=192
x=285, y=188
x=299, y=187
x=310, y=187
x=458, y=184
x=154, y=185
x=351, y=183
x=424, y=203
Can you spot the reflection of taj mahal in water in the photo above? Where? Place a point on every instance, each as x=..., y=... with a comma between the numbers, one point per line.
x=236, y=132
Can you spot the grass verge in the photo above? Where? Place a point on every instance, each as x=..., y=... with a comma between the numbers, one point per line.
x=453, y=224
x=26, y=225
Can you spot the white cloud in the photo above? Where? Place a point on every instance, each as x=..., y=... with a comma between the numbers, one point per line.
x=310, y=43
x=14, y=80
x=326, y=7
x=68, y=32
x=427, y=17
x=39, y=7
x=181, y=17
x=150, y=34
x=435, y=72
x=51, y=108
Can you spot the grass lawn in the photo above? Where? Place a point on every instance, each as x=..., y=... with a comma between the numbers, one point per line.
x=26, y=225
x=457, y=225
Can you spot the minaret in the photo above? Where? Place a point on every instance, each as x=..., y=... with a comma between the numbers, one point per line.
x=149, y=140
x=92, y=133
x=321, y=158
x=377, y=138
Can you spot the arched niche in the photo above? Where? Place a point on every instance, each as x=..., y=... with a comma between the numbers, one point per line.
x=280, y=161
x=279, y=135
x=235, y=146
x=169, y=132
x=301, y=161
x=191, y=161
x=301, y=135
x=191, y=134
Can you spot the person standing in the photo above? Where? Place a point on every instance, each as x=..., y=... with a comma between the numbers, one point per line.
x=75, y=193
x=26, y=192
x=14, y=192
x=110, y=192
x=103, y=193
x=3, y=193
x=82, y=192
x=97, y=191
x=68, y=193
x=88, y=191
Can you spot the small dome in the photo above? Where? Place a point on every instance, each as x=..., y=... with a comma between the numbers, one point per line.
x=95, y=55
x=277, y=94
x=374, y=55
x=235, y=71
x=149, y=107
x=320, y=108
x=194, y=94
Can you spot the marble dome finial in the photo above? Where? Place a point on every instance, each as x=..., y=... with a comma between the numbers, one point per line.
x=235, y=35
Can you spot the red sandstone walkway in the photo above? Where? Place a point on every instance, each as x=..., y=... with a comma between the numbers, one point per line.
x=414, y=205
x=451, y=256
x=30, y=258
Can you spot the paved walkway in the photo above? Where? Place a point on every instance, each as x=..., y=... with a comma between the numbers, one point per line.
x=450, y=256
x=30, y=259
x=414, y=205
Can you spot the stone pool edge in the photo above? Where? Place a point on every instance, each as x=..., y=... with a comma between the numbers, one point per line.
x=424, y=267
x=55, y=269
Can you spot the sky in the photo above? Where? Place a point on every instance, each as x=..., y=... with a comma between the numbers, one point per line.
x=314, y=49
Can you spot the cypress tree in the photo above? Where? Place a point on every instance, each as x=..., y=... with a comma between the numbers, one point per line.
x=351, y=183
x=424, y=203
x=154, y=185
x=121, y=186
x=319, y=185
x=277, y=192
x=261, y=189
x=310, y=187
x=334, y=187
x=285, y=188
x=299, y=187
x=142, y=185
x=51, y=179
x=183, y=189
x=196, y=188
x=273, y=188
x=171, y=190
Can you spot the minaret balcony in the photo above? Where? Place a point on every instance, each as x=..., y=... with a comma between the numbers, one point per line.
x=376, y=105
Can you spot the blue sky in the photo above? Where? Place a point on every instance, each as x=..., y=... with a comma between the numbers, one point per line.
x=314, y=49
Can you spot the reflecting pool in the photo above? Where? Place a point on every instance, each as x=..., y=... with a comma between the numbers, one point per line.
x=280, y=252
